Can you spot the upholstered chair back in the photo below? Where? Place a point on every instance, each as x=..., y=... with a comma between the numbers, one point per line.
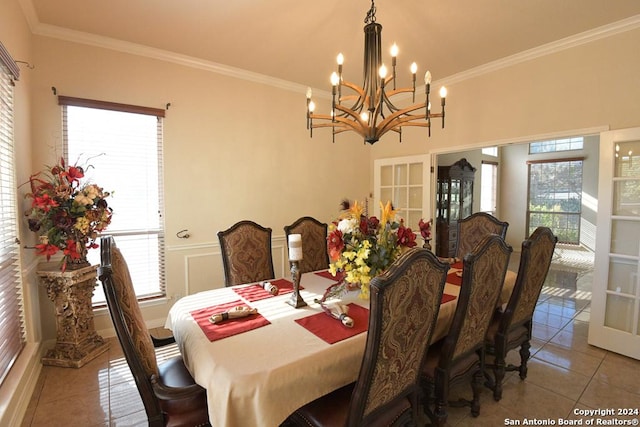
x=405, y=301
x=482, y=280
x=128, y=305
x=246, y=253
x=472, y=229
x=314, y=243
x=535, y=259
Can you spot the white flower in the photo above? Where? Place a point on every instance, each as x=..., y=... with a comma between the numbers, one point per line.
x=348, y=225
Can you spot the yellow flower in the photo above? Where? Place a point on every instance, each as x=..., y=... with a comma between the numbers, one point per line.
x=356, y=210
x=388, y=213
x=82, y=224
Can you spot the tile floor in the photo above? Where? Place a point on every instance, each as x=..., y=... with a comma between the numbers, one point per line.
x=565, y=374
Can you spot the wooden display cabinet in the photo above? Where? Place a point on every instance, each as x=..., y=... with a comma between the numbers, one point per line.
x=454, y=201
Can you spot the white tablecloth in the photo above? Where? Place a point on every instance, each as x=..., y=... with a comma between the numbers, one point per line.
x=259, y=377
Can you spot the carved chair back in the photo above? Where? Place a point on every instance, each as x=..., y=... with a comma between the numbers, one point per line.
x=472, y=229
x=246, y=253
x=314, y=243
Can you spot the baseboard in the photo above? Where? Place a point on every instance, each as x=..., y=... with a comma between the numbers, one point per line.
x=18, y=387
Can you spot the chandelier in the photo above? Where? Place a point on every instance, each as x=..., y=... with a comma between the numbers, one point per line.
x=371, y=113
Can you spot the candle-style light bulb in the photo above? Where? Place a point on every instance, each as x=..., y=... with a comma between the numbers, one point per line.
x=312, y=106
x=414, y=68
x=427, y=78
x=443, y=92
x=382, y=71
x=340, y=59
x=364, y=116
x=394, y=50
x=334, y=79
x=309, y=93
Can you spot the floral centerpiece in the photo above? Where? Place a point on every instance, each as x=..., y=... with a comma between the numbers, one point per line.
x=362, y=246
x=66, y=214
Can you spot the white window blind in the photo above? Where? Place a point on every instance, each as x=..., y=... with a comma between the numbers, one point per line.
x=121, y=149
x=12, y=334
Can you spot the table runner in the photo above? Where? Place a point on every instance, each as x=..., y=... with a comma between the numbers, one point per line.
x=229, y=327
x=257, y=292
x=446, y=298
x=331, y=330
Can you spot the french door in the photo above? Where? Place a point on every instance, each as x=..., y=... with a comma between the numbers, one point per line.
x=615, y=303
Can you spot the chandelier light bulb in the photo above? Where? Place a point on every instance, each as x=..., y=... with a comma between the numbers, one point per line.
x=312, y=106
x=394, y=50
x=364, y=116
x=334, y=79
x=414, y=68
x=382, y=71
x=340, y=59
x=443, y=92
x=309, y=92
x=427, y=78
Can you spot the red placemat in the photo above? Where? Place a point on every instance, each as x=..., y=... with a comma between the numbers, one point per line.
x=257, y=292
x=229, y=327
x=454, y=279
x=331, y=330
x=327, y=275
x=446, y=298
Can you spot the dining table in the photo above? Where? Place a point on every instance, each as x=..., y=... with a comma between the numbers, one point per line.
x=260, y=368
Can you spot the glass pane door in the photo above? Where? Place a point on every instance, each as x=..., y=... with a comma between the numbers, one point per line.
x=616, y=295
x=405, y=183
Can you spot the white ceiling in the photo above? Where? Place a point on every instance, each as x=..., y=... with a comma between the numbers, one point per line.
x=297, y=40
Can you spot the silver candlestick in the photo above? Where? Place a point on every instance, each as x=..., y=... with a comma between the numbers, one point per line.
x=295, y=300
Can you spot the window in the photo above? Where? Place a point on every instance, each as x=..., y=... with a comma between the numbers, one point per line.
x=565, y=144
x=489, y=187
x=490, y=151
x=555, y=198
x=122, y=147
x=12, y=336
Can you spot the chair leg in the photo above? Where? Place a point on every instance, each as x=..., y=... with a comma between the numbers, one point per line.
x=476, y=386
x=524, y=358
x=441, y=400
x=498, y=376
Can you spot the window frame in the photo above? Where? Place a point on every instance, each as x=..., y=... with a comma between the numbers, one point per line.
x=65, y=102
x=577, y=214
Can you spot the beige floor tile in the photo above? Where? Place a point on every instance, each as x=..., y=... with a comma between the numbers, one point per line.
x=600, y=395
x=620, y=371
x=89, y=409
x=575, y=342
x=532, y=401
x=67, y=382
x=581, y=363
x=567, y=383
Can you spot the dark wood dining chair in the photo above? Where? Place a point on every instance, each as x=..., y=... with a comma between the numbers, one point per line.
x=459, y=357
x=169, y=393
x=246, y=253
x=512, y=327
x=472, y=229
x=314, y=243
x=405, y=301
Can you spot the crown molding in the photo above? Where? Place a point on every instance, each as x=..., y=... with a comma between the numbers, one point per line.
x=628, y=24
x=47, y=30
